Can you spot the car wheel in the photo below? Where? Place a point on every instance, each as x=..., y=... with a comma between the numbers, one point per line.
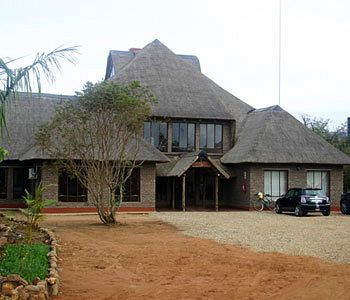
x=326, y=213
x=298, y=211
x=278, y=209
x=344, y=208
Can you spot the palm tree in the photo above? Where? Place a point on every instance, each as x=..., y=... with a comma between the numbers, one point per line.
x=29, y=78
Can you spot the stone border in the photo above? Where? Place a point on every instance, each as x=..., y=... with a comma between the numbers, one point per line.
x=15, y=287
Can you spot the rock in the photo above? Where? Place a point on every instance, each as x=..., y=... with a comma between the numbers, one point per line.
x=16, y=278
x=3, y=241
x=36, y=280
x=54, y=258
x=3, y=227
x=14, y=295
x=52, y=253
x=53, y=264
x=22, y=294
x=7, y=287
x=51, y=280
x=53, y=290
x=32, y=288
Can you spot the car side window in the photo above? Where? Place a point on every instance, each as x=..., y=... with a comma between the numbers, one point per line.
x=290, y=193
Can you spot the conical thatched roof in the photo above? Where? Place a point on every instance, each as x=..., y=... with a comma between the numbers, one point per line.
x=27, y=112
x=271, y=135
x=118, y=59
x=182, y=91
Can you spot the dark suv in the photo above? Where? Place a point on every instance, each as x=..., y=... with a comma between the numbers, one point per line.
x=345, y=203
x=303, y=200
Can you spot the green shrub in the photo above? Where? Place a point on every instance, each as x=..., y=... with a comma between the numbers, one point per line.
x=28, y=261
x=33, y=212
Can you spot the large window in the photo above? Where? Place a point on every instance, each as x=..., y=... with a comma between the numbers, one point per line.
x=70, y=188
x=156, y=133
x=211, y=137
x=132, y=187
x=275, y=183
x=319, y=180
x=21, y=182
x=183, y=137
x=3, y=183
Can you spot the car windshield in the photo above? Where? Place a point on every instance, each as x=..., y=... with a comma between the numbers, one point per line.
x=318, y=193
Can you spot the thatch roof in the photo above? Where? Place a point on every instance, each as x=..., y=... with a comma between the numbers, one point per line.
x=179, y=165
x=118, y=59
x=182, y=91
x=271, y=135
x=27, y=112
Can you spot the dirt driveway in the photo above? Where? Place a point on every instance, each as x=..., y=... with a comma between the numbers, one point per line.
x=144, y=258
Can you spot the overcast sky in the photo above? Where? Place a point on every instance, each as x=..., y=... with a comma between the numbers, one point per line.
x=236, y=42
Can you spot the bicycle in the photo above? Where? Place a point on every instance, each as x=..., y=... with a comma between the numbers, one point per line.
x=263, y=201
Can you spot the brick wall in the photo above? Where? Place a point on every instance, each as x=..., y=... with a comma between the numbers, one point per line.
x=297, y=177
x=49, y=178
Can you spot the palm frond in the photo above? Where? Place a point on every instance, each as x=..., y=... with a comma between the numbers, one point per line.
x=29, y=78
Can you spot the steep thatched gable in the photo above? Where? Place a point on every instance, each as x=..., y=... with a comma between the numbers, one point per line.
x=182, y=91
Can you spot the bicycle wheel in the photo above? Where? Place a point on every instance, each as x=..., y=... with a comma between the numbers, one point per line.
x=258, y=204
x=270, y=204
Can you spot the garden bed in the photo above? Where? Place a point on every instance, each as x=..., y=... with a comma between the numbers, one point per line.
x=28, y=271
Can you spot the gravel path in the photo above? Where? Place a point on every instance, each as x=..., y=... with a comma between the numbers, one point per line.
x=325, y=237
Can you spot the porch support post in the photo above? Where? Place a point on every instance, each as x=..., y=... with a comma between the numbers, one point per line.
x=9, y=195
x=173, y=193
x=184, y=192
x=217, y=192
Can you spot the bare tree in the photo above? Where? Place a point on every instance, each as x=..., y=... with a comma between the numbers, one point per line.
x=96, y=138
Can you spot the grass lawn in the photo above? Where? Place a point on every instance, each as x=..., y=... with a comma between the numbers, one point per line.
x=28, y=261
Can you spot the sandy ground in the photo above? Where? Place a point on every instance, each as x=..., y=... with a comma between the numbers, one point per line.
x=144, y=258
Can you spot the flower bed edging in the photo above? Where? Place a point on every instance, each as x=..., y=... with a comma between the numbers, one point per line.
x=14, y=287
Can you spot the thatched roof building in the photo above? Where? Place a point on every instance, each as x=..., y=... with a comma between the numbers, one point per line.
x=271, y=135
x=27, y=112
x=182, y=91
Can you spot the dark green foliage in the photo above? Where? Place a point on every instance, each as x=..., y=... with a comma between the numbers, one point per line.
x=338, y=138
x=28, y=261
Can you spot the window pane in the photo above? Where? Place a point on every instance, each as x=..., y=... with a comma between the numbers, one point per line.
x=283, y=182
x=176, y=132
x=310, y=179
x=203, y=136
x=275, y=183
x=325, y=182
x=132, y=187
x=3, y=183
x=183, y=135
x=275, y=190
x=218, y=136
x=210, y=136
x=317, y=180
x=70, y=189
x=267, y=182
x=163, y=136
x=147, y=131
x=155, y=134
x=190, y=135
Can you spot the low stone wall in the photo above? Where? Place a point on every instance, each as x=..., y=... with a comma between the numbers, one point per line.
x=14, y=287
